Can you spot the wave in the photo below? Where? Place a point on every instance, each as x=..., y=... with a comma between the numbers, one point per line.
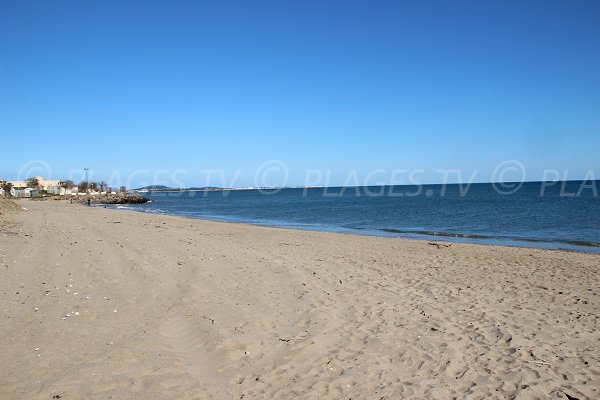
x=521, y=241
x=437, y=233
x=141, y=209
x=489, y=237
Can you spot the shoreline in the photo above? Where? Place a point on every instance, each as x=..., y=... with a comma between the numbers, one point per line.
x=98, y=303
x=446, y=237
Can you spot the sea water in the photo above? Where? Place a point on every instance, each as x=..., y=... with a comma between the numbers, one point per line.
x=534, y=214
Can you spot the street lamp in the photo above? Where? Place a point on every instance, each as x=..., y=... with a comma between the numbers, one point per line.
x=87, y=181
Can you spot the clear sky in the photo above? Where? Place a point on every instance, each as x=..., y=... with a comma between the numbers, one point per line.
x=331, y=86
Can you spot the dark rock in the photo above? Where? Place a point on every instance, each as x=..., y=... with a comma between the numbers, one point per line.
x=118, y=198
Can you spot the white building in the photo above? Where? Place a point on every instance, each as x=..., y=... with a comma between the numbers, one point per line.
x=59, y=190
x=21, y=193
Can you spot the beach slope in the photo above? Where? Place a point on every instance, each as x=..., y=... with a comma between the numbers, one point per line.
x=100, y=304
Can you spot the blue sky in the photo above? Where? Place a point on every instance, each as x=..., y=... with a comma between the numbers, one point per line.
x=172, y=89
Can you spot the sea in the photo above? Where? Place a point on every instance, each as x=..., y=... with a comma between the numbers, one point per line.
x=551, y=215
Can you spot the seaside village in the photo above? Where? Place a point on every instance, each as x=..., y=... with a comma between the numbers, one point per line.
x=38, y=186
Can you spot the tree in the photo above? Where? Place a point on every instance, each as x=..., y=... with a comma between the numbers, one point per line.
x=66, y=184
x=32, y=182
x=83, y=186
x=103, y=186
x=7, y=186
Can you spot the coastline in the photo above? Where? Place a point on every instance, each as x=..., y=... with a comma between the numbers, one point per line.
x=419, y=235
x=167, y=306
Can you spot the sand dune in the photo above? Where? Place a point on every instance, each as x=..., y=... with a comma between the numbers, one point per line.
x=100, y=304
x=8, y=206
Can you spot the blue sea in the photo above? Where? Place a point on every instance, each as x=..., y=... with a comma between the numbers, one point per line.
x=563, y=215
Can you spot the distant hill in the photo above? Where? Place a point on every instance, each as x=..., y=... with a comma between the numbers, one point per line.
x=163, y=188
x=156, y=187
x=204, y=188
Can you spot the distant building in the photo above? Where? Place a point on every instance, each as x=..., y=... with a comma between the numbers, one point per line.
x=59, y=190
x=42, y=183
x=21, y=193
x=54, y=189
x=18, y=184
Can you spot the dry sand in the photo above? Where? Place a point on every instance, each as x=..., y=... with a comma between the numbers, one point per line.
x=106, y=304
x=8, y=206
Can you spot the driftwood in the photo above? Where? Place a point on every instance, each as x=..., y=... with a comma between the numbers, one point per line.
x=441, y=245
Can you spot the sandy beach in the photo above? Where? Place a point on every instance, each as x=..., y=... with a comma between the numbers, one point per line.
x=109, y=304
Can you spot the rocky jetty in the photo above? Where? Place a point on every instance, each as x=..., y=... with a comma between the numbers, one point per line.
x=117, y=198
